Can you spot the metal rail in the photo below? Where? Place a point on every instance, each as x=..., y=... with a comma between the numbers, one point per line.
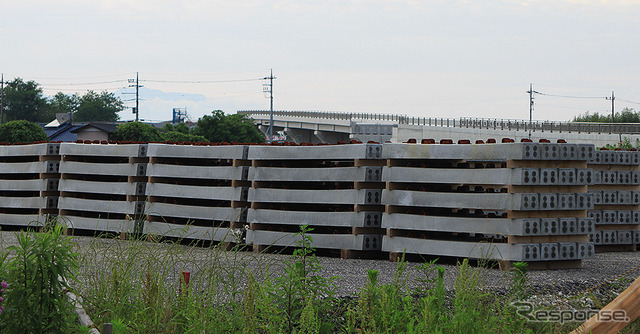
x=466, y=122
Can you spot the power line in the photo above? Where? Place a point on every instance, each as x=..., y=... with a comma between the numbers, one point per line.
x=571, y=96
x=629, y=101
x=86, y=83
x=76, y=90
x=203, y=81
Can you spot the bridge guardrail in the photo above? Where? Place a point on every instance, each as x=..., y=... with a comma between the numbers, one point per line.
x=466, y=122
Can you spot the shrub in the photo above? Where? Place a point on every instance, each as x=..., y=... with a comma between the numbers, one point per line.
x=136, y=131
x=21, y=132
x=179, y=136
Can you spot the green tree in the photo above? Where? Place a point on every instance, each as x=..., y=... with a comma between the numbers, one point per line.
x=592, y=118
x=63, y=103
x=25, y=101
x=21, y=131
x=627, y=115
x=98, y=107
x=181, y=136
x=136, y=131
x=180, y=127
x=219, y=127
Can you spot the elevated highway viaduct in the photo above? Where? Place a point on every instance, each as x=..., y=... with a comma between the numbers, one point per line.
x=331, y=127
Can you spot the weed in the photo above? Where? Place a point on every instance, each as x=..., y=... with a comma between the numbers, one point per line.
x=301, y=286
x=37, y=272
x=519, y=281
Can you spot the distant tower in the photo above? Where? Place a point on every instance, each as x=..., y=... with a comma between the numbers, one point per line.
x=179, y=115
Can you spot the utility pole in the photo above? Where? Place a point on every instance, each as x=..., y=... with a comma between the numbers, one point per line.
x=136, y=110
x=137, y=97
x=531, y=92
x=613, y=112
x=613, y=99
x=2, y=99
x=268, y=88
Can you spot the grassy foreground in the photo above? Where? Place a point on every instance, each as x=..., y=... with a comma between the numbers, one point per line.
x=136, y=286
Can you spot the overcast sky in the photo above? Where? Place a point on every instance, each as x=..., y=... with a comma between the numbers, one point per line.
x=420, y=58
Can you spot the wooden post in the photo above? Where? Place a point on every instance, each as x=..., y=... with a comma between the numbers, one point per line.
x=628, y=301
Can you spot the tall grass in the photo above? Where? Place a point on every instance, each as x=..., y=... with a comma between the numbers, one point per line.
x=135, y=285
x=36, y=271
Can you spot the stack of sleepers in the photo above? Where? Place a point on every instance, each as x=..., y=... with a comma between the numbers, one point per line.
x=334, y=189
x=197, y=192
x=616, y=193
x=28, y=184
x=102, y=187
x=507, y=201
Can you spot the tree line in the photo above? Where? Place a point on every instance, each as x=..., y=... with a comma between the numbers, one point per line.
x=627, y=115
x=216, y=127
x=25, y=104
x=24, y=100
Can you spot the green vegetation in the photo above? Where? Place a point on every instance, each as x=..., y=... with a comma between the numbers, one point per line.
x=236, y=128
x=21, y=132
x=93, y=107
x=216, y=128
x=34, y=275
x=627, y=115
x=624, y=144
x=25, y=101
x=134, y=285
x=176, y=136
x=136, y=131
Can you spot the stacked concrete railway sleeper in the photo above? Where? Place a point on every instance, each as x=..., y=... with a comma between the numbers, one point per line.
x=197, y=192
x=334, y=189
x=102, y=187
x=616, y=193
x=29, y=176
x=499, y=201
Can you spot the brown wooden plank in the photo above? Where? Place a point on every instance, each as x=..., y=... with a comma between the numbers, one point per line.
x=365, y=207
x=614, y=167
x=359, y=254
x=260, y=248
x=49, y=158
x=242, y=162
x=367, y=230
x=368, y=185
x=615, y=207
x=628, y=301
x=369, y=162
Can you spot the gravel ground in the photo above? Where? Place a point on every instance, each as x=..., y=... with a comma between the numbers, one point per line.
x=552, y=285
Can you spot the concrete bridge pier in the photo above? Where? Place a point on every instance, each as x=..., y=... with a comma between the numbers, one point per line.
x=300, y=135
x=331, y=137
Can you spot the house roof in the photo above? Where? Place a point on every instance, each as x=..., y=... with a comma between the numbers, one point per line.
x=106, y=127
x=63, y=132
